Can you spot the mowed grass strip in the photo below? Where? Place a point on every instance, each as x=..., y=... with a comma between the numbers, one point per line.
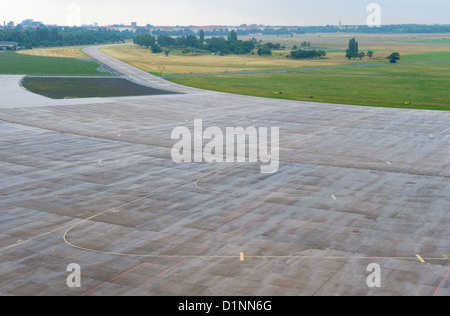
x=71, y=88
x=12, y=63
x=399, y=86
x=61, y=52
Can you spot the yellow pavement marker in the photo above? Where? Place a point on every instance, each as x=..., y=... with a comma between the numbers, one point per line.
x=420, y=258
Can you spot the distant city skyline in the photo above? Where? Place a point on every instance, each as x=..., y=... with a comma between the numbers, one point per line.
x=231, y=12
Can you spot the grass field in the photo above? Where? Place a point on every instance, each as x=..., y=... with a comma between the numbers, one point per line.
x=177, y=63
x=424, y=86
x=12, y=63
x=70, y=88
x=62, y=52
x=334, y=44
x=406, y=43
x=420, y=80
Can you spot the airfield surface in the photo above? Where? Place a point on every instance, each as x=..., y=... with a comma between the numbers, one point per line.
x=92, y=182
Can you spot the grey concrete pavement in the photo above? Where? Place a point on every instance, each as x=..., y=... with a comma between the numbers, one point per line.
x=92, y=182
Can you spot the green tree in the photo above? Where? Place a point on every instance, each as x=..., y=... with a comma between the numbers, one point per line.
x=201, y=35
x=352, y=50
x=264, y=51
x=146, y=40
x=232, y=37
x=306, y=44
x=303, y=54
x=394, y=57
x=192, y=41
x=54, y=34
x=370, y=54
x=156, y=48
x=166, y=41
x=221, y=45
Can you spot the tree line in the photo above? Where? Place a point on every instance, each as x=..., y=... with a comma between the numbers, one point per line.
x=220, y=45
x=353, y=52
x=394, y=28
x=397, y=28
x=51, y=37
x=231, y=45
x=228, y=44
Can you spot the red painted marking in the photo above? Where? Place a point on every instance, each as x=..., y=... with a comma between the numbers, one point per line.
x=442, y=283
x=155, y=277
x=204, y=249
x=176, y=246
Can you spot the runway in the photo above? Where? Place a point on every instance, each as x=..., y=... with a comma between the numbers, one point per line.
x=92, y=182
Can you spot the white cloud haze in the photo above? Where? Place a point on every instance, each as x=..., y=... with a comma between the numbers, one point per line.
x=231, y=12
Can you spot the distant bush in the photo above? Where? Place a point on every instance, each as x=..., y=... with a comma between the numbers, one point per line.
x=192, y=44
x=156, y=49
x=216, y=44
x=146, y=40
x=394, y=57
x=304, y=54
x=264, y=51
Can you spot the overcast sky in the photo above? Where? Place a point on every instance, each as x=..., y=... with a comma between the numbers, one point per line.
x=229, y=12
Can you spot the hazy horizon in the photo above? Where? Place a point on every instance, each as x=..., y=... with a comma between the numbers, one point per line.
x=232, y=12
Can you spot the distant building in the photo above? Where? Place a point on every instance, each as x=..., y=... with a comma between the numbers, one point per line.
x=31, y=24
x=5, y=26
x=134, y=25
x=91, y=27
x=121, y=28
x=8, y=45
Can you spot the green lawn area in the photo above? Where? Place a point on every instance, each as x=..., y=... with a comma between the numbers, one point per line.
x=432, y=41
x=70, y=88
x=12, y=63
x=425, y=86
x=424, y=57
